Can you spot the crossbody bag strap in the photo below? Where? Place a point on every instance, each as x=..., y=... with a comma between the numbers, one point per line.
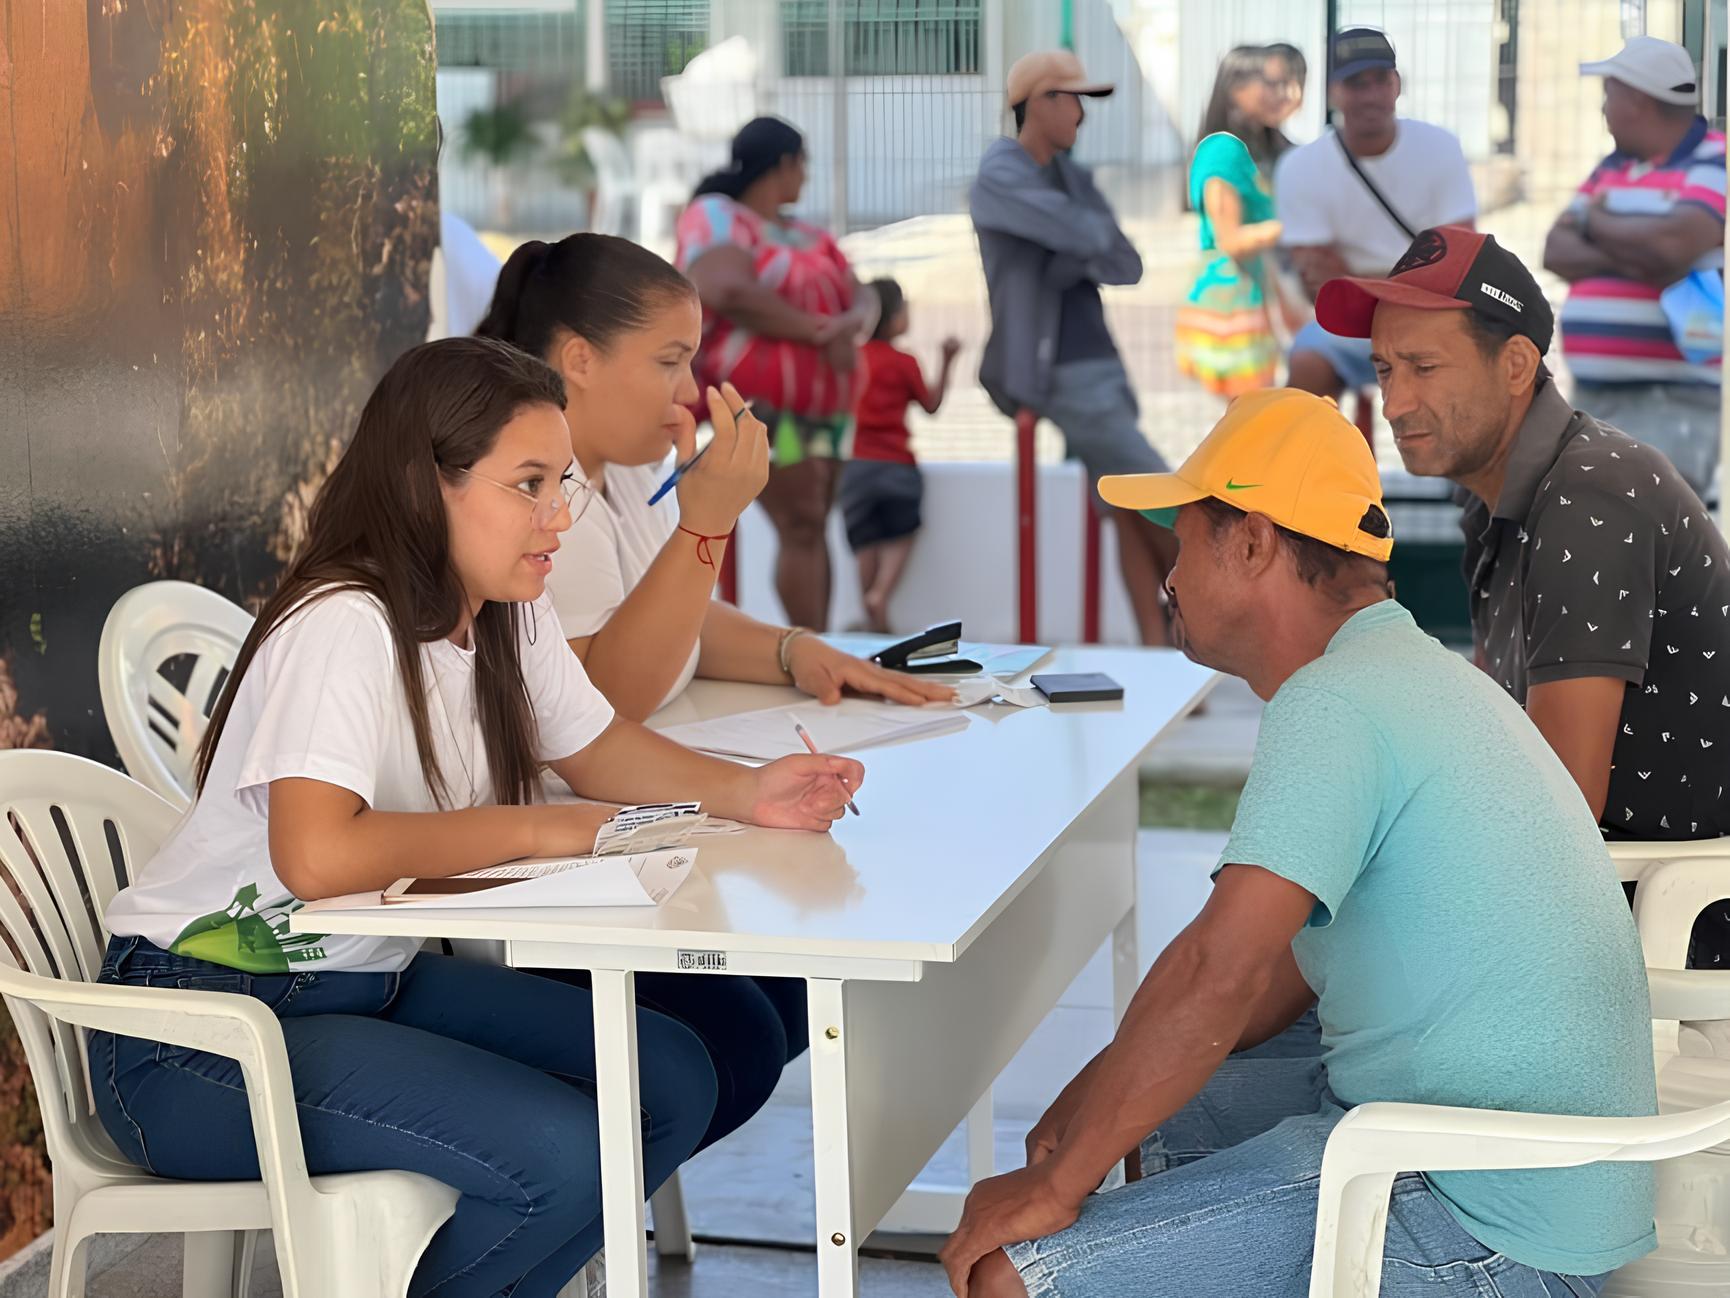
x=1375, y=192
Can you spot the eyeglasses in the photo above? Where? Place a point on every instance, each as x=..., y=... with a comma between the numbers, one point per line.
x=571, y=491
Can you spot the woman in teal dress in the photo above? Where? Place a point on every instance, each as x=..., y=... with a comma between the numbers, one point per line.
x=1225, y=338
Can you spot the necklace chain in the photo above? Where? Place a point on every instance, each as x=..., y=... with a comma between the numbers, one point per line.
x=468, y=765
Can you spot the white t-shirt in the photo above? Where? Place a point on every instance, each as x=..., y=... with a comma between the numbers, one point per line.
x=322, y=699
x=1319, y=199
x=603, y=557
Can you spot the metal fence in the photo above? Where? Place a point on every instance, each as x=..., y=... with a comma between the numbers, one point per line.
x=893, y=144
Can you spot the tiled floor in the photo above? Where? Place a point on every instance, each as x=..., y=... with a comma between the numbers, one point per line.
x=153, y=1271
x=756, y=1186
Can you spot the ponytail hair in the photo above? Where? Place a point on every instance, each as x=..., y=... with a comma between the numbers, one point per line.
x=596, y=286
x=761, y=145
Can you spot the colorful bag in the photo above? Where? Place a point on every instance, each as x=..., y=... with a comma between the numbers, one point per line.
x=1695, y=307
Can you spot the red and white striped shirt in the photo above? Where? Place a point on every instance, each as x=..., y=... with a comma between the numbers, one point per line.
x=1614, y=330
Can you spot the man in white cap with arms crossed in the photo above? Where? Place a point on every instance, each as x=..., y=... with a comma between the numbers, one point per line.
x=1048, y=240
x=1411, y=858
x=1648, y=215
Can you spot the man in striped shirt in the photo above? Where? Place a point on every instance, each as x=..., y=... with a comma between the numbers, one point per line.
x=1649, y=214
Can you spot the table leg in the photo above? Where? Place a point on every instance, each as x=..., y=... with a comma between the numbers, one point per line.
x=1125, y=966
x=620, y=1105
x=934, y=1207
x=832, y=1152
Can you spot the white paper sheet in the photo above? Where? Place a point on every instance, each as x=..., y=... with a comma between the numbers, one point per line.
x=847, y=727
x=988, y=689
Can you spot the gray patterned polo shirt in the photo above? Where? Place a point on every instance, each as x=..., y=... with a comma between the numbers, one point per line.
x=1599, y=560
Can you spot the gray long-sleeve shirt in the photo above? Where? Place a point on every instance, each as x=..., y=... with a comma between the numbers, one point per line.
x=1042, y=230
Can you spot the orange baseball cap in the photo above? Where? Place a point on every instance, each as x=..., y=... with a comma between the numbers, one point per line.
x=1279, y=452
x=1034, y=74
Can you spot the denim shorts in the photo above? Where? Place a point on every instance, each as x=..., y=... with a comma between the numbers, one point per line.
x=1350, y=357
x=1227, y=1209
x=1093, y=404
x=881, y=500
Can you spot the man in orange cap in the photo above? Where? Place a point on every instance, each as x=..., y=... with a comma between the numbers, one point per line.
x=1411, y=858
x=1048, y=240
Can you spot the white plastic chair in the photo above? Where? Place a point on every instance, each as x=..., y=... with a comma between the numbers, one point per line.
x=716, y=94
x=615, y=182
x=667, y=170
x=1376, y=1142
x=1674, y=882
x=69, y=831
x=155, y=723
x=157, y=727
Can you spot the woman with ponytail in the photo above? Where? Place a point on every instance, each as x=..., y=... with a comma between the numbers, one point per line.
x=633, y=583
x=783, y=321
x=389, y=716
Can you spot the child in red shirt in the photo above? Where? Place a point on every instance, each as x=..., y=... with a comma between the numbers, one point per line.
x=881, y=487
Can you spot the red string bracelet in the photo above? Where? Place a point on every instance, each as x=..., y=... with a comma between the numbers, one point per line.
x=705, y=556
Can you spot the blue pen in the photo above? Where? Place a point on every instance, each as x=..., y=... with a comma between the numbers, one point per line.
x=681, y=470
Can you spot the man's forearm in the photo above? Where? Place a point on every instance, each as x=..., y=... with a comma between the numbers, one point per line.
x=1642, y=247
x=1184, y=1020
x=1047, y=217
x=1316, y=265
x=1570, y=255
x=1287, y=997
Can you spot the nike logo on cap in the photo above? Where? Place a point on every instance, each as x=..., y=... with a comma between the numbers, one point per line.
x=1241, y=486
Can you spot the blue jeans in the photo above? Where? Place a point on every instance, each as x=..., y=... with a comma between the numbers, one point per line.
x=476, y=1075
x=1350, y=357
x=751, y=1027
x=1227, y=1208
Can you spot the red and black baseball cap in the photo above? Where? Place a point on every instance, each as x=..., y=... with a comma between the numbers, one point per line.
x=1449, y=268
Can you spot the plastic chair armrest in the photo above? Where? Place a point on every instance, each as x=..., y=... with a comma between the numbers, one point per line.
x=1690, y=995
x=236, y=1027
x=1632, y=858
x=1670, y=895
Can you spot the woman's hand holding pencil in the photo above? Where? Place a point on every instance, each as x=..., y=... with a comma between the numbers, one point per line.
x=803, y=792
x=718, y=482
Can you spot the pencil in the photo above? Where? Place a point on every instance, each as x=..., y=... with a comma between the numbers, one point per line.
x=805, y=735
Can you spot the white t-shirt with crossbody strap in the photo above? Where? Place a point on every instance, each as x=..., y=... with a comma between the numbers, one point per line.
x=1319, y=200
x=323, y=700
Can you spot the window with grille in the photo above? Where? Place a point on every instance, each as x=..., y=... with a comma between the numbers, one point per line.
x=883, y=38
x=511, y=42
x=651, y=39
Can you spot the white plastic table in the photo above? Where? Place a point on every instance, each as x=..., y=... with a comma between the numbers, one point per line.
x=934, y=931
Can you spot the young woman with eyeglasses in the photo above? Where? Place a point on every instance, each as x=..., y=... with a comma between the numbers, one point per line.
x=390, y=715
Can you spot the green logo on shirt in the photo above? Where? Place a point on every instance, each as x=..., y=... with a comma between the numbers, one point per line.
x=250, y=937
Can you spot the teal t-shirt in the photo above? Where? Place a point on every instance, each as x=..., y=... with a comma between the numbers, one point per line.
x=1470, y=944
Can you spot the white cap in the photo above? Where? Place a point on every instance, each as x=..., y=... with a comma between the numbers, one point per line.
x=1653, y=67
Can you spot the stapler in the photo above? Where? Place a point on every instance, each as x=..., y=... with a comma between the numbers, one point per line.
x=930, y=653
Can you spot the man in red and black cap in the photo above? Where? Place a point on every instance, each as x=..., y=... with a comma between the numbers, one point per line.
x=1599, y=585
